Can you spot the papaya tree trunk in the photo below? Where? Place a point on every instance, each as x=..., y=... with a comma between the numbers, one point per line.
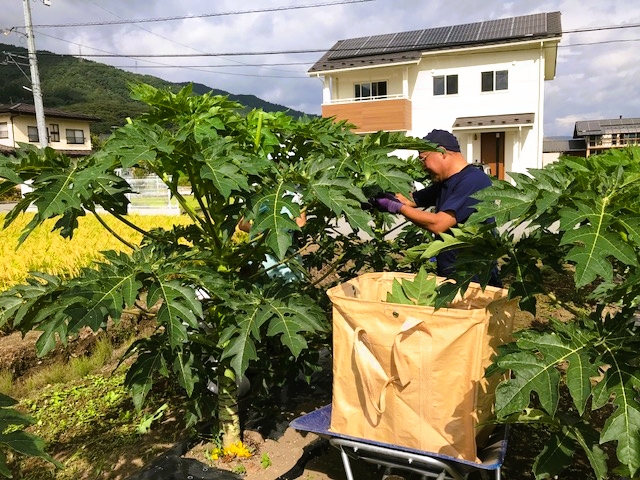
x=228, y=414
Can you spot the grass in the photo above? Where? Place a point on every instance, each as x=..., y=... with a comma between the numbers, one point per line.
x=76, y=368
x=83, y=412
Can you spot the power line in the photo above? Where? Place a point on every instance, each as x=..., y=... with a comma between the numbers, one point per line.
x=204, y=15
x=236, y=62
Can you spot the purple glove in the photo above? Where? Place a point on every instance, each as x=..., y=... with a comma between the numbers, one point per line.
x=387, y=203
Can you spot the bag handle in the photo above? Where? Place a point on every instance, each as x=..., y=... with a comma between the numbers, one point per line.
x=367, y=367
x=400, y=361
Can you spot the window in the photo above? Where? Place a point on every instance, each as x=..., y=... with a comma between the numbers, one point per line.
x=54, y=132
x=445, y=84
x=32, y=133
x=371, y=90
x=4, y=130
x=498, y=80
x=75, y=136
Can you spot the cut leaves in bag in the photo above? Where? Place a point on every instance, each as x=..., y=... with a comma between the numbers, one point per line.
x=422, y=290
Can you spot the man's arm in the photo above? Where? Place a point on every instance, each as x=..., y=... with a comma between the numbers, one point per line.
x=434, y=222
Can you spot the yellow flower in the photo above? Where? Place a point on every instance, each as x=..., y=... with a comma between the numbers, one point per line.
x=237, y=450
x=215, y=453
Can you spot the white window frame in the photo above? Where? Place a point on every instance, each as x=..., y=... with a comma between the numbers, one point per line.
x=447, y=86
x=372, y=89
x=4, y=130
x=54, y=132
x=73, y=136
x=32, y=134
x=499, y=81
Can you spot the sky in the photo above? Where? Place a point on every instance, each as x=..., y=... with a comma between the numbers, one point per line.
x=266, y=47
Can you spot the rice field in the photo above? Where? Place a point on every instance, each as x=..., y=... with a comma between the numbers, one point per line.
x=48, y=252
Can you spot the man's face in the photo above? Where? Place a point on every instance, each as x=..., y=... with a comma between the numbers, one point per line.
x=433, y=163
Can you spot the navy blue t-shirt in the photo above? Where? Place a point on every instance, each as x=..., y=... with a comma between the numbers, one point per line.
x=454, y=195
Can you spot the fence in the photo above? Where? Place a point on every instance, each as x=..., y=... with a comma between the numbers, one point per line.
x=151, y=195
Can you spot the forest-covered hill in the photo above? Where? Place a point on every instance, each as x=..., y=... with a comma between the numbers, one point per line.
x=83, y=86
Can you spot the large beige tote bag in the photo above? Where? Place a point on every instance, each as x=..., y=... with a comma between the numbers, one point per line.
x=411, y=375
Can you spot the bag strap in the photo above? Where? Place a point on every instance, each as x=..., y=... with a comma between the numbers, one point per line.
x=399, y=360
x=367, y=366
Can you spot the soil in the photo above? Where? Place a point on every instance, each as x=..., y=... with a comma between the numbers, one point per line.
x=169, y=452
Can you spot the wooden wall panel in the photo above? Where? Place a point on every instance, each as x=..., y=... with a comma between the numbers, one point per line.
x=373, y=115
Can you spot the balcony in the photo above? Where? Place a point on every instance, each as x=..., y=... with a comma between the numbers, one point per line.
x=388, y=114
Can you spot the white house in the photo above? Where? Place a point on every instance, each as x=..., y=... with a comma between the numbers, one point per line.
x=483, y=81
x=67, y=131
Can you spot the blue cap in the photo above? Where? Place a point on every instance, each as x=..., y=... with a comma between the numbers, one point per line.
x=443, y=139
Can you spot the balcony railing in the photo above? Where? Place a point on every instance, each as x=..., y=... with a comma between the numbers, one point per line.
x=390, y=113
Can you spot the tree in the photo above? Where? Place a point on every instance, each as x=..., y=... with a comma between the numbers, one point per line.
x=582, y=216
x=219, y=311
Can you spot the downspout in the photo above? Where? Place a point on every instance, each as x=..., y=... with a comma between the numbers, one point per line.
x=13, y=129
x=540, y=122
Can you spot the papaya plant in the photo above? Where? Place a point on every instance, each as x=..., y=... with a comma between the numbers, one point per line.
x=221, y=312
x=579, y=216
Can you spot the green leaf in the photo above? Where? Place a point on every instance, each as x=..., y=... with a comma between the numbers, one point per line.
x=555, y=456
x=292, y=319
x=587, y=226
x=225, y=175
x=419, y=291
x=139, y=378
x=179, y=308
x=27, y=444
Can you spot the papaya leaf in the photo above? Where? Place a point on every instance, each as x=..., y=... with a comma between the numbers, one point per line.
x=27, y=444
x=587, y=437
x=149, y=361
x=587, y=228
x=291, y=319
x=419, y=291
x=555, y=456
x=623, y=425
x=238, y=340
x=226, y=176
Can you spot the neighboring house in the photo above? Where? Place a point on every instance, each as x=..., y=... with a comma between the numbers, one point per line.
x=483, y=81
x=554, y=148
x=67, y=132
x=599, y=135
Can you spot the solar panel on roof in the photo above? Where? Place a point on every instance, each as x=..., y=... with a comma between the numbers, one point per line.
x=496, y=29
x=464, y=33
x=500, y=29
x=348, y=48
x=530, y=24
x=404, y=40
x=434, y=36
x=375, y=44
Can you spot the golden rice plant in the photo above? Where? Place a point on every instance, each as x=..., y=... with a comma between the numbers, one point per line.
x=46, y=251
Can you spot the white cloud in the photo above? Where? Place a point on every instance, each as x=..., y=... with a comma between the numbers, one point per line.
x=593, y=81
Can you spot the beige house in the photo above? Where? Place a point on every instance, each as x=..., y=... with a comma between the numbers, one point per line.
x=600, y=135
x=67, y=132
x=483, y=81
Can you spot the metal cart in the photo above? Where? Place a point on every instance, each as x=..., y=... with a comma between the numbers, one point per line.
x=393, y=457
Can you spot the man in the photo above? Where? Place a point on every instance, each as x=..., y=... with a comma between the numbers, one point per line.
x=454, y=181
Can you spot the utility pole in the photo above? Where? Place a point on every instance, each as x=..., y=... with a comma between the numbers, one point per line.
x=35, y=77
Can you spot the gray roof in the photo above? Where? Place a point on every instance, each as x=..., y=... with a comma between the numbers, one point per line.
x=601, y=127
x=408, y=46
x=27, y=109
x=564, y=145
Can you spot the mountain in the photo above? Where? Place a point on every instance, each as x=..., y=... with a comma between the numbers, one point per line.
x=83, y=86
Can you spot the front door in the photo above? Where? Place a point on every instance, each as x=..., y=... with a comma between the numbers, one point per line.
x=492, y=152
